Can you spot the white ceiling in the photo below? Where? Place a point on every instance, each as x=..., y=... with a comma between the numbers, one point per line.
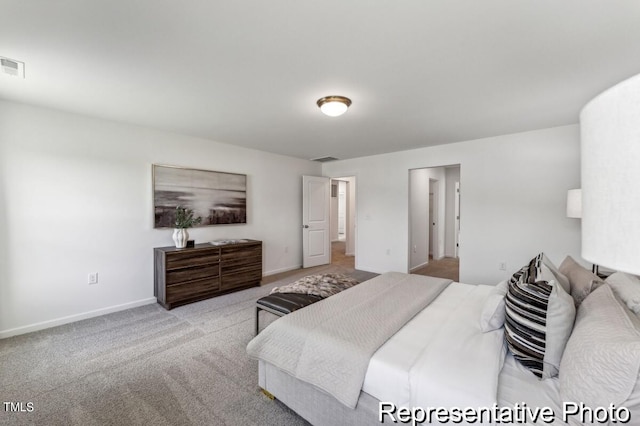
x=248, y=72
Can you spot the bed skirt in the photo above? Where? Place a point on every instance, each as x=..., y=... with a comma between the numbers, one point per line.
x=316, y=406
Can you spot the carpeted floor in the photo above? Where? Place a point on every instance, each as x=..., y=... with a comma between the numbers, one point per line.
x=147, y=366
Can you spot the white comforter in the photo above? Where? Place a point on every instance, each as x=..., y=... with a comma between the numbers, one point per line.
x=440, y=358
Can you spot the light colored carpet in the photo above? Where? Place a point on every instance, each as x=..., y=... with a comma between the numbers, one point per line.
x=148, y=366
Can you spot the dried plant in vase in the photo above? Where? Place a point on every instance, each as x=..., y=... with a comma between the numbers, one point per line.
x=184, y=220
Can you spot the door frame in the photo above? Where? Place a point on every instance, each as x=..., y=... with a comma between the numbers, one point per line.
x=456, y=238
x=415, y=230
x=434, y=227
x=351, y=234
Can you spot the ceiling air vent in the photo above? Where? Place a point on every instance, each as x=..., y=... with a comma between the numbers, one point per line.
x=12, y=67
x=324, y=159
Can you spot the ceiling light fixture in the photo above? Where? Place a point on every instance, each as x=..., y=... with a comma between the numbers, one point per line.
x=334, y=106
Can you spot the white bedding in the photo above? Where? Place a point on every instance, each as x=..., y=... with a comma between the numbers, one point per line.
x=315, y=345
x=518, y=385
x=440, y=358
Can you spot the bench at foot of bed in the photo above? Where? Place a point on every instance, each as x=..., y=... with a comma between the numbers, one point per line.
x=282, y=304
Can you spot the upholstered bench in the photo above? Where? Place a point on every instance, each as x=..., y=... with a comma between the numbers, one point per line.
x=307, y=290
x=281, y=304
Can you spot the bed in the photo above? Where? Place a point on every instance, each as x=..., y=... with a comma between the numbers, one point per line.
x=453, y=345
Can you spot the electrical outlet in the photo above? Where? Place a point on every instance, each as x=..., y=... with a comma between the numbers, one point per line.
x=388, y=252
x=286, y=249
x=415, y=248
x=502, y=266
x=93, y=278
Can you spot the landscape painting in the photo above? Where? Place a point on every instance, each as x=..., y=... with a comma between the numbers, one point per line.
x=218, y=197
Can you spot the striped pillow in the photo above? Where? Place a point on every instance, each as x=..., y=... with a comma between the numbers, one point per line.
x=539, y=318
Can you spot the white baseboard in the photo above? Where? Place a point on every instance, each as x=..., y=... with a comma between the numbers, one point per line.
x=371, y=269
x=422, y=265
x=73, y=318
x=278, y=271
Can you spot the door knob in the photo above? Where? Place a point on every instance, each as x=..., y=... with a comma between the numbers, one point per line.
x=305, y=226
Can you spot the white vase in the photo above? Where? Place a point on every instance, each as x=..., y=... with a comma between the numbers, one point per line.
x=180, y=237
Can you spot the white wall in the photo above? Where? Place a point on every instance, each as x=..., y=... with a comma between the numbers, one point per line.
x=514, y=201
x=418, y=218
x=452, y=175
x=75, y=198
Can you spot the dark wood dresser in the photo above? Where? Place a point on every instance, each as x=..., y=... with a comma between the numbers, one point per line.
x=187, y=275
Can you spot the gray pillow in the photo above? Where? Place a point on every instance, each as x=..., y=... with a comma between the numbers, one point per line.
x=627, y=288
x=581, y=280
x=601, y=362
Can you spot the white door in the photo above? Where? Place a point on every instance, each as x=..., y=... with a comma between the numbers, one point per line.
x=316, y=239
x=432, y=226
x=457, y=213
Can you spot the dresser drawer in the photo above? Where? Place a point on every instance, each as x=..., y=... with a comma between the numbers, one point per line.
x=249, y=275
x=230, y=266
x=242, y=251
x=193, y=289
x=191, y=274
x=181, y=259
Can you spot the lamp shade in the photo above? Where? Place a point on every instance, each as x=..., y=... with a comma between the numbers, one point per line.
x=574, y=203
x=610, y=168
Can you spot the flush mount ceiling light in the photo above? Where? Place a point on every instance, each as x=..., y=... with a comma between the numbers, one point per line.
x=334, y=106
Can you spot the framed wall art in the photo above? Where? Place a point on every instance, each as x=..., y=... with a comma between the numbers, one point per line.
x=217, y=197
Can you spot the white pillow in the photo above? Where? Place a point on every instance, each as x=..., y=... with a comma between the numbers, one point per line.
x=560, y=316
x=601, y=362
x=627, y=288
x=492, y=315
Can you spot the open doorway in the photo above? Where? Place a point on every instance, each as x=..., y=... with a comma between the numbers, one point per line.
x=343, y=218
x=434, y=221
